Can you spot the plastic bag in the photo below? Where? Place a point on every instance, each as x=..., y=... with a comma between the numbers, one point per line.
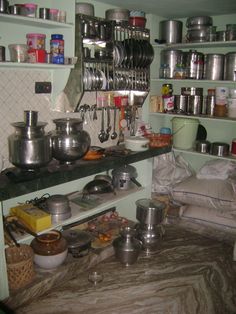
x=169, y=170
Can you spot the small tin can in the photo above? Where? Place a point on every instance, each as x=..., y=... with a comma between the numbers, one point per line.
x=57, y=49
x=167, y=90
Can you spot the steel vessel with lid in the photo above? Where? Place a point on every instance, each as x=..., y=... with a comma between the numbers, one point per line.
x=29, y=147
x=124, y=177
x=150, y=214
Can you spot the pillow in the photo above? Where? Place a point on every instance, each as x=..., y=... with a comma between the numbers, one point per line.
x=214, y=193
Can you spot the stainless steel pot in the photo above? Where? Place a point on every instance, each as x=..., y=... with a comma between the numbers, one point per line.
x=69, y=141
x=170, y=31
x=29, y=147
x=194, y=64
x=194, y=105
x=230, y=67
x=203, y=146
x=213, y=66
x=171, y=57
x=117, y=14
x=199, y=20
x=198, y=35
x=59, y=208
x=220, y=149
x=79, y=242
x=149, y=211
x=124, y=177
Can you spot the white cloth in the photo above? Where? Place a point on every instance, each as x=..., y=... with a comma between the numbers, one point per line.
x=217, y=169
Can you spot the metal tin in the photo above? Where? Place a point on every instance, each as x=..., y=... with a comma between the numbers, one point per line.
x=180, y=102
x=171, y=57
x=220, y=149
x=203, y=146
x=194, y=64
x=230, y=66
x=194, y=105
x=150, y=212
x=213, y=67
x=170, y=31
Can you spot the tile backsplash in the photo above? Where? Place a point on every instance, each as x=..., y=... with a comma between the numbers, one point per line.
x=17, y=93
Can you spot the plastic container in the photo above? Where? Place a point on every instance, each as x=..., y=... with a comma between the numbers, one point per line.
x=54, y=15
x=184, y=132
x=18, y=52
x=137, y=21
x=159, y=140
x=29, y=9
x=232, y=107
x=37, y=55
x=36, y=41
x=57, y=49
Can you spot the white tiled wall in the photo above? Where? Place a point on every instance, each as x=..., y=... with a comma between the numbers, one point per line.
x=17, y=94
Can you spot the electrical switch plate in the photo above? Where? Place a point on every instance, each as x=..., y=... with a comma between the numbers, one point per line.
x=43, y=87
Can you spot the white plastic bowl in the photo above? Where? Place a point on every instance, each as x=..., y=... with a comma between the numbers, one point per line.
x=51, y=261
x=137, y=143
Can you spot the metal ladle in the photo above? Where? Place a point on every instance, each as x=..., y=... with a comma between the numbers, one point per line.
x=114, y=134
x=102, y=134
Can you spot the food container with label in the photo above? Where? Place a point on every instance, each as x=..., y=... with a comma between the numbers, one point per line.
x=36, y=41
x=57, y=48
x=29, y=9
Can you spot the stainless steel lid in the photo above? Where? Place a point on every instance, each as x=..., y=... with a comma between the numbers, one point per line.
x=125, y=172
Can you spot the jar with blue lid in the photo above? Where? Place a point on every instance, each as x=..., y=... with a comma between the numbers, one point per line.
x=57, y=49
x=165, y=130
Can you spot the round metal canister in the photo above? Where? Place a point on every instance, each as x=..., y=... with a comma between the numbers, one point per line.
x=210, y=105
x=192, y=91
x=213, y=67
x=194, y=105
x=221, y=36
x=230, y=66
x=194, y=64
x=171, y=57
x=150, y=212
x=180, y=103
x=171, y=31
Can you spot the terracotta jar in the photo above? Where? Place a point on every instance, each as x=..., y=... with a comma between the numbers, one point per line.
x=50, y=249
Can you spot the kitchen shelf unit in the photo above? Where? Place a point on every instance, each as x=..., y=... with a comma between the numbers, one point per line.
x=80, y=214
x=218, y=129
x=68, y=179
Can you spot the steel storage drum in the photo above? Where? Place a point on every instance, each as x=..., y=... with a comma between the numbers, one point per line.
x=150, y=211
x=171, y=57
x=194, y=105
x=170, y=31
x=213, y=67
x=230, y=67
x=184, y=132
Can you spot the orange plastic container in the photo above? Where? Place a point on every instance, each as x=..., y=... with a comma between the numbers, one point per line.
x=159, y=140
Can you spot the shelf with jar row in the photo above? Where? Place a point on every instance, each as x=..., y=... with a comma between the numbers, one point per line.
x=204, y=117
x=203, y=155
x=35, y=22
x=186, y=45
x=156, y=79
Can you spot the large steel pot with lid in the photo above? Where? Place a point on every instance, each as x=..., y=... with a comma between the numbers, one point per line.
x=124, y=177
x=150, y=212
x=29, y=147
x=170, y=31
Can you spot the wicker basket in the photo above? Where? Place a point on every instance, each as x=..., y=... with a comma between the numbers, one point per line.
x=20, y=269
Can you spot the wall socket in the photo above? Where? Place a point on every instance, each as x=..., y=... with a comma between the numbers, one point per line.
x=43, y=87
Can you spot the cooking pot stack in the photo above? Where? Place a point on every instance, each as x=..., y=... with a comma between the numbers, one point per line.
x=200, y=29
